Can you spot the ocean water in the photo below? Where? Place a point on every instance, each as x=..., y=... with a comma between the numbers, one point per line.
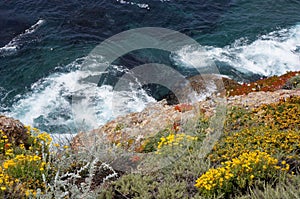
x=43, y=45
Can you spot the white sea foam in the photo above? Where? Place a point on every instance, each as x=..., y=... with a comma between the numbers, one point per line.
x=272, y=54
x=140, y=5
x=15, y=43
x=65, y=99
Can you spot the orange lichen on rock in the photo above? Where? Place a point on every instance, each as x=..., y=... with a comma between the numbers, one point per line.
x=183, y=107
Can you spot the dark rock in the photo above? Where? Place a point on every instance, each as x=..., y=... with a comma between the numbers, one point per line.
x=229, y=83
x=213, y=84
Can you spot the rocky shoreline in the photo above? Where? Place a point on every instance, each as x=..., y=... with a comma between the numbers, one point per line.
x=161, y=115
x=135, y=130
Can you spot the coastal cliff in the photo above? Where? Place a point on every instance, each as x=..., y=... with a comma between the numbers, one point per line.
x=156, y=153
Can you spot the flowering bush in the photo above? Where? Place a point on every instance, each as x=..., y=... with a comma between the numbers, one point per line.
x=239, y=173
x=173, y=140
x=24, y=169
x=282, y=115
x=257, y=138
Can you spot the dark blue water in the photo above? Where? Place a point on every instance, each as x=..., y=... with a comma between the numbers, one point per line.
x=43, y=43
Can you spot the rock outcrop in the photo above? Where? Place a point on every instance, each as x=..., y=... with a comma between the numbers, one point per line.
x=14, y=130
x=205, y=83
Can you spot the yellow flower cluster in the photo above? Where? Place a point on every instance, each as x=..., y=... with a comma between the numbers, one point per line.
x=44, y=137
x=19, y=167
x=5, y=180
x=174, y=139
x=38, y=138
x=281, y=115
x=20, y=159
x=284, y=114
x=240, y=172
x=266, y=139
x=213, y=178
x=22, y=168
x=3, y=142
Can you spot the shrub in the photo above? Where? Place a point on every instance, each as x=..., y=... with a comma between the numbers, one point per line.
x=293, y=83
x=282, y=115
x=240, y=173
x=288, y=188
x=265, y=139
x=24, y=170
x=174, y=140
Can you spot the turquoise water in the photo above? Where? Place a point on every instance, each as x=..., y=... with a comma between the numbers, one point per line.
x=43, y=45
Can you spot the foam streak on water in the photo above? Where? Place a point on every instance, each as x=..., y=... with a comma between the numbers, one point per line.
x=272, y=54
x=140, y=5
x=16, y=42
